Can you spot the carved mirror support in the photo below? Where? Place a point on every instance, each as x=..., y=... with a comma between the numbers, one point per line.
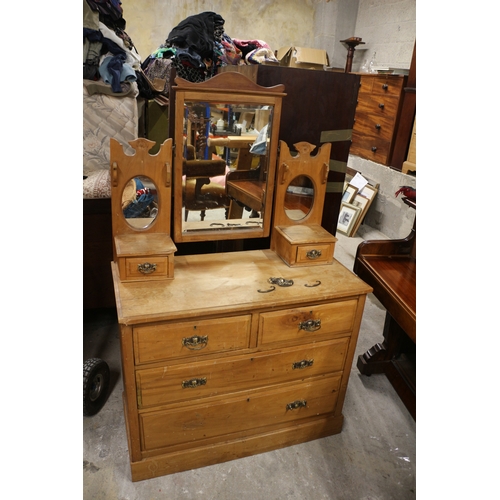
x=298, y=237
x=141, y=186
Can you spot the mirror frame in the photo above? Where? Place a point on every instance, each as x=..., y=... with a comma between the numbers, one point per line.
x=302, y=163
x=230, y=87
x=157, y=167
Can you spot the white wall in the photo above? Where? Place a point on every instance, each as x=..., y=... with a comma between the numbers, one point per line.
x=388, y=27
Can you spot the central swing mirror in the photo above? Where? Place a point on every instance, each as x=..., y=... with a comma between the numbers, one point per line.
x=226, y=137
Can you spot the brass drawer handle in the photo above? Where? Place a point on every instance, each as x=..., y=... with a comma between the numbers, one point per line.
x=195, y=343
x=194, y=382
x=295, y=405
x=305, y=363
x=280, y=281
x=313, y=254
x=311, y=325
x=146, y=268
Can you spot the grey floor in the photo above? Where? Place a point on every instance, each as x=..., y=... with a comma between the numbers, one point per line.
x=373, y=458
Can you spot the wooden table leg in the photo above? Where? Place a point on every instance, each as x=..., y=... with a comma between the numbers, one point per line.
x=395, y=358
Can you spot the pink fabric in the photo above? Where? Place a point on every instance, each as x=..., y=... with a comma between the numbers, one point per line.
x=246, y=43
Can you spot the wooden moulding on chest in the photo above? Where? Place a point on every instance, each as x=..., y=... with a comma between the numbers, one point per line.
x=298, y=237
x=140, y=203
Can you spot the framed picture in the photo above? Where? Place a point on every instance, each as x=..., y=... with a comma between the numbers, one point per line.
x=361, y=202
x=349, y=193
x=364, y=204
x=368, y=192
x=347, y=218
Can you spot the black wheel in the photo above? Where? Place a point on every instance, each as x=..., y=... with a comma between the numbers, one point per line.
x=95, y=385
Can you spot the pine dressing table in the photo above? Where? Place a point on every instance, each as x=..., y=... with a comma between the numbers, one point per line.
x=227, y=355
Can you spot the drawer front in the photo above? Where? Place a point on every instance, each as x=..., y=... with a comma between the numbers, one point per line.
x=371, y=148
x=365, y=85
x=307, y=323
x=156, y=386
x=379, y=125
x=147, y=268
x=378, y=106
x=307, y=253
x=190, y=339
x=246, y=411
x=383, y=85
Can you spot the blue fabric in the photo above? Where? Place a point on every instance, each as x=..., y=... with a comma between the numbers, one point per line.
x=114, y=70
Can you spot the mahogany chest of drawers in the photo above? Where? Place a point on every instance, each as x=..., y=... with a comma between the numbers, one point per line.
x=377, y=115
x=219, y=363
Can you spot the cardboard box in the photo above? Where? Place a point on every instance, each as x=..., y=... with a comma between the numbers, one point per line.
x=302, y=57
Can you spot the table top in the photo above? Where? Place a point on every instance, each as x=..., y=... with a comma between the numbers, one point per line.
x=229, y=283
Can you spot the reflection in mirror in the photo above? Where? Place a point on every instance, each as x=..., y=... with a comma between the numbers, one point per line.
x=299, y=197
x=225, y=165
x=140, y=202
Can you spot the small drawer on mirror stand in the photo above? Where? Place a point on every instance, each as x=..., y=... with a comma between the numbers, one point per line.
x=304, y=245
x=145, y=257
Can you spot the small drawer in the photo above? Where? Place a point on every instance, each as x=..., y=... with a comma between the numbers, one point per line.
x=304, y=245
x=315, y=254
x=378, y=125
x=387, y=86
x=169, y=384
x=378, y=105
x=147, y=268
x=192, y=338
x=307, y=323
x=244, y=412
x=365, y=85
x=370, y=147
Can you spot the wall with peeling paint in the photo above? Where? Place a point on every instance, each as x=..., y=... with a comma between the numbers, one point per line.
x=278, y=23
x=387, y=26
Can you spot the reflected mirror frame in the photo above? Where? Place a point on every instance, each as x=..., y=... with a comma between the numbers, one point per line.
x=231, y=88
x=311, y=186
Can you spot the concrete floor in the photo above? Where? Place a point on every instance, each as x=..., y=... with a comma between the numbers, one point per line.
x=373, y=458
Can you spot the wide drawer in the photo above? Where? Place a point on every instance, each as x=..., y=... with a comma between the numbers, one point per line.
x=169, y=384
x=245, y=411
x=191, y=338
x=307, y=323
x=370, y=147
x=378, y=125
x=378, y=105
